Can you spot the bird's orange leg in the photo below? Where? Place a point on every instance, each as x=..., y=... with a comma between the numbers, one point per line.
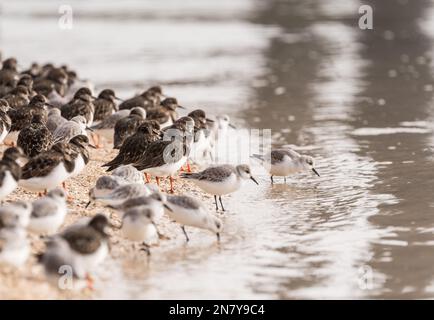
x=147, y=178
x=158, y=180
x=188, y=167
x=69, y=197
x=171, y=185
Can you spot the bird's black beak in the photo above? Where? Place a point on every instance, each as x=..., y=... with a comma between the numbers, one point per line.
x=167, y=207
x=181, y=107
x=218, y=237
x=254, y=180
x=209, y=120
x=90, y=129
x=232, y=126
x=155, y=131
x=93, y=97
x=50, y=105
x=92, y=146
x=119, y=99
x=88, y=204
x=316, y=172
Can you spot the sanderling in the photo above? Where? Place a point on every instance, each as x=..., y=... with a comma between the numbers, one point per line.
x=129, y=174
x=156, y=200
x=126, y=127
x=55, y=119
x=49, y=169
x=200, y=142
x=15, y=214
x=187, y=211
x=23, y=117
x=283, y=162
x=34, y=70
x=136, y=145
x=48, y=213
x=165, y=114
x=5, y=120
x=80, y=105
x=14, y=246
x=121, y=194
x=220, y=180
x=88, y=242
x=103, y=186
x=74, y=127
x=147, y=100
x=35, y=137
x=138, y=225
x=10, y=171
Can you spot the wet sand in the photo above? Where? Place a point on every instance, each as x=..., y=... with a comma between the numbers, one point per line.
x=29, y=282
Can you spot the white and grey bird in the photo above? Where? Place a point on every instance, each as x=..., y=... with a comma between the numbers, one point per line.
x=284, y=162
x=104, y=185
x=15, y=214
x=156, y=201
x=74, y=127
x=48, y=213
x=55, y=119
x=10, y=171
x=221, y=180
x=138, y=225
x=129, y=173
x=88, y=242
x=14, y=246
x=121, y=194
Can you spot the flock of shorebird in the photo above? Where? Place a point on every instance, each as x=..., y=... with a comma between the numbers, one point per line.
x=53, y=111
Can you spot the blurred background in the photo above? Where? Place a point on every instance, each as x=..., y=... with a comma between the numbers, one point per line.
x=358, y=100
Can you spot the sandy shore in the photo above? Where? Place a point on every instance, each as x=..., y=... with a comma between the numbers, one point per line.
x=30, y=282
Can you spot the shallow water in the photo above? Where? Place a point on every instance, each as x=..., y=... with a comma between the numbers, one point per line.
x=359, y=101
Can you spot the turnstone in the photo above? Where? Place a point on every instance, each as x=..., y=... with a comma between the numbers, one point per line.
x=49, y=169
x=88, y=242
x=74, y=127
x=138, y=225
x=80, y=157
x=51, y=78
x=15, y=214
x=187, y=211
x=27, y=81
x=57, y=259
x=105, y=105
x=110, y=121
x=283, y=162
x=55, y=119
x=14, y=247
x=220, y=180
x=8, y=75
x=23, y=117
x=5, y=120
x=18, y=97
x=128, y=173
x=147, y=100
x=126, y=127
x=163, y=159
x=80, y=105
x=10, y=171
x=35, y=138
x=135, y=146
x=165, y=114
x=121, y=194
x=48, y=213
